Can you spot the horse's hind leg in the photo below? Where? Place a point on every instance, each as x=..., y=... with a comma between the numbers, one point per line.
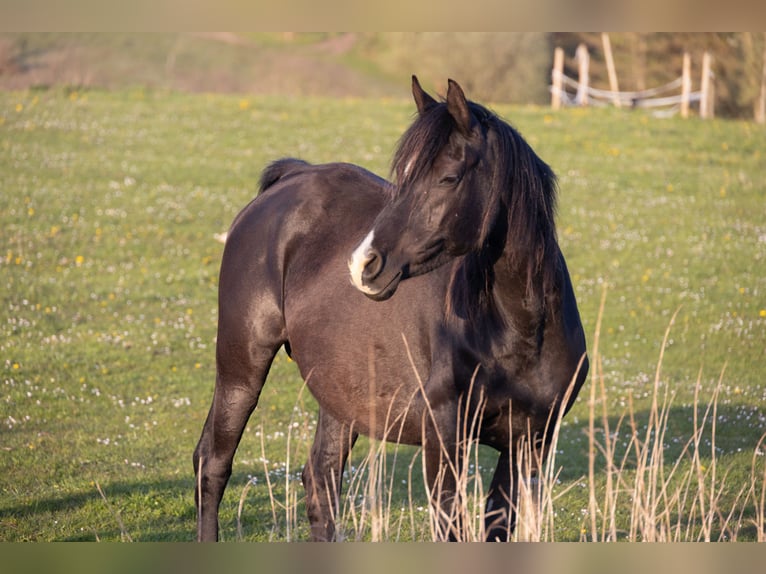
x=239, y=381
x=323, y=474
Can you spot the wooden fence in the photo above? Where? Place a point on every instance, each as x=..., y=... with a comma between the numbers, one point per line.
x=665, y=100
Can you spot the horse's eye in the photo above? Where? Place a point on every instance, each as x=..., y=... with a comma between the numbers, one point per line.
x=448, y=180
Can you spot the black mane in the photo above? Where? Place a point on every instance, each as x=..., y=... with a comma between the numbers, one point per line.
x=521, y=219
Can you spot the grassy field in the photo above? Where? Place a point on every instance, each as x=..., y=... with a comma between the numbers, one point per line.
x=109, y=203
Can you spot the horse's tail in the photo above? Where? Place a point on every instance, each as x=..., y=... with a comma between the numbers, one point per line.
x=271, y=175
x=279, y=169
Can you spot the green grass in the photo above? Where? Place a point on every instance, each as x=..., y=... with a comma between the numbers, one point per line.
x=108, y=268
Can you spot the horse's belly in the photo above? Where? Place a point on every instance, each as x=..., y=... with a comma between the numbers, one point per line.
x=364, y=384
x=390, y=413
x=365, y=361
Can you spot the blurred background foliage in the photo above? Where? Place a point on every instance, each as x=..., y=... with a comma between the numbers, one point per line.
x=494, y=67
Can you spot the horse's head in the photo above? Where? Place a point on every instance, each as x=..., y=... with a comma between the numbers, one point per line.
x=441, y=207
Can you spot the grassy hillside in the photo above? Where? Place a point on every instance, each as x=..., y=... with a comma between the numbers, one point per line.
x=307, y=64
x=498, y=67
x=108, y=272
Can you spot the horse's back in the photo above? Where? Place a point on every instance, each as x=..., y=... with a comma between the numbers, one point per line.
x=300, y=202
x=297, y=222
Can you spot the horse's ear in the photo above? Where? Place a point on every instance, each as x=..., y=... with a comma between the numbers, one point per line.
x=457, y=106
x=422, y=100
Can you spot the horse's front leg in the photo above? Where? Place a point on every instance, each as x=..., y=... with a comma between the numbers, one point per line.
x=444, y=475
x=515, y=486
x=500, y=513
x=323, y=474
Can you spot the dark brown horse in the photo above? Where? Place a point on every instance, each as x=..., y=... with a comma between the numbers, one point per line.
x=459, y=304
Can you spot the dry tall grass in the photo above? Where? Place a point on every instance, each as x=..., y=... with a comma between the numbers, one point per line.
x=635, y=493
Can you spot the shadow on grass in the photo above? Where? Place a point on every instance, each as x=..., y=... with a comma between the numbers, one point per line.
x=152, y=510
x=736, y=430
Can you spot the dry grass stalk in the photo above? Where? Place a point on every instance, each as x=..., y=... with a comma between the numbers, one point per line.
x=637, y=495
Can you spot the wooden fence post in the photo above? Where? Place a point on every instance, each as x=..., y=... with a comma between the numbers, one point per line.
x=686, y=85
x=557, y=77
x=760, y=108
x=613, y=85
x=707, y=109
x=583, y=60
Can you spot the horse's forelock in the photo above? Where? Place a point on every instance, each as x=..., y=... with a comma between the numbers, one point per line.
x=420, y=145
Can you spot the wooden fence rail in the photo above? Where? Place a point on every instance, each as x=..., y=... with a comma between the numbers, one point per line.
x=566, y=91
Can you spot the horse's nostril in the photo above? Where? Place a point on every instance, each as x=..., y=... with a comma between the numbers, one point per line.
x=373, y=266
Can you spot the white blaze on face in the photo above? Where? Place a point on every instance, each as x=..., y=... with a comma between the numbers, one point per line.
x=359, y=259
